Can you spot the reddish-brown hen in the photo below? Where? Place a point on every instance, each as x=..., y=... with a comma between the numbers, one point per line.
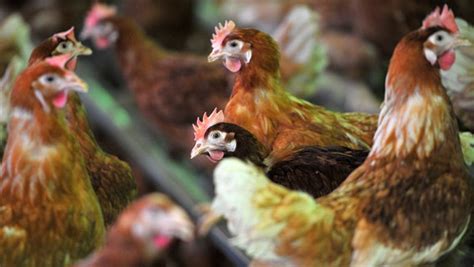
x=111, y=178
x=259, y=103
x=49, y=212
x=169, y=88
x=406, y=205
x=142, y=233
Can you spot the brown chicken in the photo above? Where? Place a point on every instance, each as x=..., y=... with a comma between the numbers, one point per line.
x=281, y=122
x=314, y=170
x=142, y=233
x=406, y=205
x=111, y=178
x=169, y=88
x=49, y=213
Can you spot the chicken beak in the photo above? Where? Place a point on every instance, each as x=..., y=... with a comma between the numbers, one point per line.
x=74, y=83
x=215, y=55
x=198, y=149
x=83, y=50
x=459, y=42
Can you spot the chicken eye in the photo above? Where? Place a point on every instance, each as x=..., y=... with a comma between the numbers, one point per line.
x=216, y=135
x=439, y=37
x=234, y=44
x=64, y=46
x=49, y=78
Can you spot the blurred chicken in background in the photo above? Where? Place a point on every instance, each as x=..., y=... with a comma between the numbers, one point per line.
x=143, y=233
x=169, y=87
x=169, y=22
x=15, y=48
x=459, y=80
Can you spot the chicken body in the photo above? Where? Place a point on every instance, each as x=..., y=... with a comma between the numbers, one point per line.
x=49, y=213
x=111, y=177
x=142, y=233
x=406, y=205
x=314, y=170
x=280, y=121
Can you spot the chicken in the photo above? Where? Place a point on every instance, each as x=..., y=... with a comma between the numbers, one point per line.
x=406, y=205
x=169, y=88
x=281, y=122
x=142, y=233
x=111, y=178
x=15, y=46
x=459, y=80
x=49, y=213
x=314, y=170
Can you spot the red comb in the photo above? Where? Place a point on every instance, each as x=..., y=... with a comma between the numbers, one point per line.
x=59, y=61
x=69, y=34
x=444, y=18
x=221, y=31
x=98, y=12
x=201, y=127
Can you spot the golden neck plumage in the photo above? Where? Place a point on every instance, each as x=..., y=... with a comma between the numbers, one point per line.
x=417, y=120
x=415, y=123
x=36, y=153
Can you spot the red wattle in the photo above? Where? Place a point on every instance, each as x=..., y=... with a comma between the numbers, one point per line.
x=216, y=155
x=102, y=42
x=162, y=241
x=60, y=99
x=233, y=64
x=446, y=60
x=71, y=64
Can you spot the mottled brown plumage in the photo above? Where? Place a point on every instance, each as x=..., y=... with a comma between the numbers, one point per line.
x=111, y=178
x=49, y=212
x=142, y=233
